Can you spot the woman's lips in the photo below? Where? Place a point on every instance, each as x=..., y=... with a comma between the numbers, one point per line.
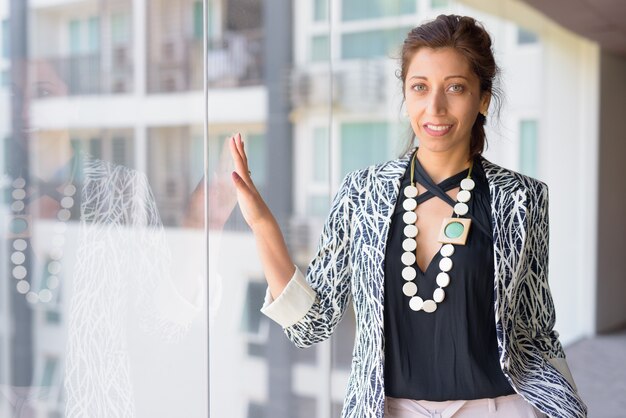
x=436, y=129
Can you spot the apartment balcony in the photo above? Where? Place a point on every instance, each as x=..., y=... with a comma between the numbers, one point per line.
x=232, y=61
x=236, y=60
x=87, y=74
x=352, y=85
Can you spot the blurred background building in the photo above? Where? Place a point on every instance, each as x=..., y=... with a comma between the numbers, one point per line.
x=312, y=87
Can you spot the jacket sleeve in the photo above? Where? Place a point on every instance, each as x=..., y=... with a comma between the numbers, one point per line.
x=546, y=336
x=311, y=305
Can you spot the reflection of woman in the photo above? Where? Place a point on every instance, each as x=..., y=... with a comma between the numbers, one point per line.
x=114, y=276
x=431, y=247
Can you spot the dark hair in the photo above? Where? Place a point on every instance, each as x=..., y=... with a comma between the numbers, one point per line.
x=468, y=37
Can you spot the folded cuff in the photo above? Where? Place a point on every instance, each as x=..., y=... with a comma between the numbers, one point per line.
x=292, y=304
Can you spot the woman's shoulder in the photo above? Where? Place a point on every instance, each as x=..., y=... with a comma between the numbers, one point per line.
x=501, y=176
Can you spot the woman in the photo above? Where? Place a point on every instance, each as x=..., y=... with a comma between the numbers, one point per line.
x=431, y=247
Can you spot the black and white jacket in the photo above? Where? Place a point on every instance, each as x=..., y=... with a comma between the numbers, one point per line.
x=349, y=263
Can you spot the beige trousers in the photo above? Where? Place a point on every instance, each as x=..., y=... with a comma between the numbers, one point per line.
x=510, y=406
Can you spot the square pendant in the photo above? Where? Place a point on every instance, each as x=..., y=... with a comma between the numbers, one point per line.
x=454, y=230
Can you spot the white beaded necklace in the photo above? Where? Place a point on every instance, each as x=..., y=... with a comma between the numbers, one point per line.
x=453, y=231
x=20, y=225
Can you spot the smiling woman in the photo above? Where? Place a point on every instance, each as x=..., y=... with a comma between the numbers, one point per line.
x=443, y=253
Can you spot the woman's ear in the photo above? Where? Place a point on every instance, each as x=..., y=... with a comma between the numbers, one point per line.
x=484, y=102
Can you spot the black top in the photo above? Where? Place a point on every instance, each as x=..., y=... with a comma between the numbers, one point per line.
x=452, y=353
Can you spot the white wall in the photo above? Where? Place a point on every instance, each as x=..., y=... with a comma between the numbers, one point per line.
x=611, y=270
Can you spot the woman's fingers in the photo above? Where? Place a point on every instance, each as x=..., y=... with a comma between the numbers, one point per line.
x=240, y=164
x=241, y=160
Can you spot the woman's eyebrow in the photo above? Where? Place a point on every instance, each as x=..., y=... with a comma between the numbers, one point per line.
x=421, y=77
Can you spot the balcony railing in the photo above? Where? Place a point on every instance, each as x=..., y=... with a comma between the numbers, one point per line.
x=232, y=61
x=85, y=74
x=235, y=60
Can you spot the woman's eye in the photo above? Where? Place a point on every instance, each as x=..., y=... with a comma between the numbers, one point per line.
x=419, y=87
x=456, y=88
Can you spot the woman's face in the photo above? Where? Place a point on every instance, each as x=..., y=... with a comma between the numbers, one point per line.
x=443, y=99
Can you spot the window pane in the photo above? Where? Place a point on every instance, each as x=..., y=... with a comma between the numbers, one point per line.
x=372, y=9
x=437, y=4
x=93, y=38
x=372, y=44
x=321, y=154
x=320, y=11
x=120, y=31
x=320, y=48
x=74, y=36
x=369, y=139
x=6, y=42
x=526, y=37
x=528, y=147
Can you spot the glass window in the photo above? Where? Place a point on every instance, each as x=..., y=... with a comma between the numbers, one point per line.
x=74, y=36
x=438, y=4
x=198, y=20
x=372, y=44
x=256, y=157
x=528, y=147
x=320, y=10
x=373, y=9
x=369, y=138
x=318, y=206
x=50, y=366
x=93, y=35
x=53, y=317
x=120, y=33
x=5, y=78
x=118, y=151
x=525, y=37
x=320, y=154
x=252, y=319
x=6, y=43
x=320, y=48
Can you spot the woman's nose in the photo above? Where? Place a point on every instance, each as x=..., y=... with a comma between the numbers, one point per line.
x=436, y=103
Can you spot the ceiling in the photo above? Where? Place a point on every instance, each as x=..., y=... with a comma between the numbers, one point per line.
x=603, y=21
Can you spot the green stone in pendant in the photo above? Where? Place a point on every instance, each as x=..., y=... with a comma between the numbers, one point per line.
x=454, y=230
x=18, y=225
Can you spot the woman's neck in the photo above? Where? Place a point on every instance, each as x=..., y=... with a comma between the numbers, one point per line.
x=441, y=165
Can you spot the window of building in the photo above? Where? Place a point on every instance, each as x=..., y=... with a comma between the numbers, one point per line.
x=525, y=37
x=372, y=44
x=49, y=370
x=6, y=44
x=320, y=10
x=257, y=149
x=369, y=138
x=120, y=28
x=53, y=317
x=318, y=205
x=321, y=154
x=74, y=36
x=253, y=323
x=439, y=4
x=320, y=48
x=5, y=78
x=528, y=147
x=198, y=20
x=93, y=34
x=375, y=9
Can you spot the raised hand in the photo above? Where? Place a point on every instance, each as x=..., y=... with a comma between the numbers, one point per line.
x=252, y=205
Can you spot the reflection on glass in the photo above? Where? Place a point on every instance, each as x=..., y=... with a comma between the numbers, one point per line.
x=105, y=309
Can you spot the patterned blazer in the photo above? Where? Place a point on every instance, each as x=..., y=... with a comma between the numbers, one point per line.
x=349, y=264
